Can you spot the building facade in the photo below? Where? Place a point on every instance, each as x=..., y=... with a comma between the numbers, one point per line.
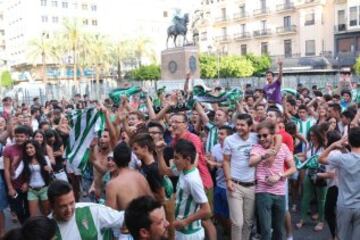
x=279, y=28
x=347, y=31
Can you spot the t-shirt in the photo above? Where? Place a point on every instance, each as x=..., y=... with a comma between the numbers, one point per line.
x=348, y=172
x=90, y=221
x=202, y=165
x=14, y=153
x=239, y=150
x=273, y=91
x=287, y=139
x=190, y=194
x=264, y=170
x=218, y=155
x=152, y=175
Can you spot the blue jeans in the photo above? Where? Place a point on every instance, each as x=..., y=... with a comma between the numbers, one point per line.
x=271, y=213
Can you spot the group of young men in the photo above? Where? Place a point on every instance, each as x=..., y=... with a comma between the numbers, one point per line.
x=175, y=173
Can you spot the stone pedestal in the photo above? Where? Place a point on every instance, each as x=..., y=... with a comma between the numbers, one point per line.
x=177, y=62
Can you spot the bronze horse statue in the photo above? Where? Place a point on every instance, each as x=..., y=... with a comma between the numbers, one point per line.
x=178, y=28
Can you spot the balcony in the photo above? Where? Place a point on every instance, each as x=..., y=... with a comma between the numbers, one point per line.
x=262, y=33
x=285, y=7
x=286, y=30
x=340, y=28
x=222, y=19
x=240, y=16
x=309, y=3
x=223, y=38
x=261, y=12
x=242, y=36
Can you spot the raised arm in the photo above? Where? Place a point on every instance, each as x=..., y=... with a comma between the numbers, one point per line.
x=280, y=75
x=164, y=170
x=204, y=118
x=187, y=83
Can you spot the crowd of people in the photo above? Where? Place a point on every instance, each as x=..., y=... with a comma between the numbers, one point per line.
x=170, y=172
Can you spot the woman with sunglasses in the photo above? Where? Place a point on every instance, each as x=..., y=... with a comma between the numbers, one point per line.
x=271, y=180
x=37, y=173
x=313, y=185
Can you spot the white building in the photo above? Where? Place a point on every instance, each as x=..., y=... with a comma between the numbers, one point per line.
x=2, y=36
x=30, y=19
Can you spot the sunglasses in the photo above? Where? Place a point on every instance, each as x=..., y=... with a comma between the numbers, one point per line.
x=262, y=135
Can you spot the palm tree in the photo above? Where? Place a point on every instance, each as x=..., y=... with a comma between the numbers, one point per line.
x=119, y=52
x=41, y=48
x=142, y=48
x=99, y=54
x=72, y=36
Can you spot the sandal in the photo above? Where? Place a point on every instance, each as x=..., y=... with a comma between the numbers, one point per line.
x=319, y=227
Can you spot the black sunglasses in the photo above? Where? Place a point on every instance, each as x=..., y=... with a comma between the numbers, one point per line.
x=262, y=135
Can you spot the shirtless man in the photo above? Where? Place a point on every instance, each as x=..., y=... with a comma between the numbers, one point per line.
x=100, y=152
x=128, y=185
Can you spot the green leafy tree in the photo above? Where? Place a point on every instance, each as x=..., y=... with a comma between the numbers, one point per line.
x=235, y=66
x=260, y=63
x=357, y=66
x=208, y=66
x=6, y=80
x=149, y=72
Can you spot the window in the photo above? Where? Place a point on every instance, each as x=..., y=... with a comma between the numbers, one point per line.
x=93, y=8
x=203, y=36
x=243, y=28
x=54, y=3
x=310, y=48
x=242, y=9
x=44, y=19
x=310, y=19
x=353, y=16
x=165, y=14
x=85, y=22
x=287, y=48
x=287, y=22
x=264, y=48
x=263, y=4
x=84, y=6
x=223, y=13
x=65, y=4
x=55, y=19
x=243, y=49
x=263, y=25
x=224, y=31
x=341, y=20
x=43, y=3
x=94, y=22
x=345, y=45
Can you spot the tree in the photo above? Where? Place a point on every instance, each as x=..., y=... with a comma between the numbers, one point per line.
x=149, y=72
x=41, y=48
x=357, y=66
x=72, y=36
x=120, y=51
x=260, y=63
x=6, y=80
x=208, y=66
x=142, y=48
x=234, y=66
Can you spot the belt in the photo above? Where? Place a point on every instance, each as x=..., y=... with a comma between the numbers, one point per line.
x=36, y=188
x=60, y=171
x=244, y=184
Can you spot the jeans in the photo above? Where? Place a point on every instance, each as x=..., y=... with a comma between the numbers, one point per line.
x=271, y=212
x=309, y=190
x=348, y=223
x=20, y=206
x=242, y=207
x=330, y=208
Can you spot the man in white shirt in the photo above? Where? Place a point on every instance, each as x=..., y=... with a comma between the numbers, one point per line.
x=78, y=221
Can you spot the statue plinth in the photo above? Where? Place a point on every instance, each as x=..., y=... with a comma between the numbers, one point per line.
x=177, y=62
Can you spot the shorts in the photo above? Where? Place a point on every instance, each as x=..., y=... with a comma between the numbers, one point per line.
x=221, y=206
x=41, y=194
x=210, y=196
x=199, y=235
x=3, y=195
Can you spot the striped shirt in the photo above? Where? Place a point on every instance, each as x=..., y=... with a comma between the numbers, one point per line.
x=190, y=194
x=212, y=136
x=264, y=170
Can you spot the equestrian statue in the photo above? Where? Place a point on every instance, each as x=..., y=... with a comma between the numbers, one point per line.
x=178, y=28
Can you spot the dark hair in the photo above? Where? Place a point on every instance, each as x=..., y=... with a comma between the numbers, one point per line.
x=276, y=111
x=58, y=188
x=319, y=135
x=40, y=157
x=137, y=214
x=122, y=155
x=336, y=107
x=345, y=91
x=350, y=114
x=245, y=117
x=143, y=139
x=182, y=115
x=138, y=114
x=21, y=129
x=41, y=124
x=302, y=107
x=186, y=149
x=271, y=72
x=229, y=130
x=268, y=125
x=354, y=137
x=52, y=133
x=39, y=228
x=327, y=97
x=34, y=110
x=332, y=136
x=43, y=145
x=291, y=101
x=156, y=124
x=290, y=127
